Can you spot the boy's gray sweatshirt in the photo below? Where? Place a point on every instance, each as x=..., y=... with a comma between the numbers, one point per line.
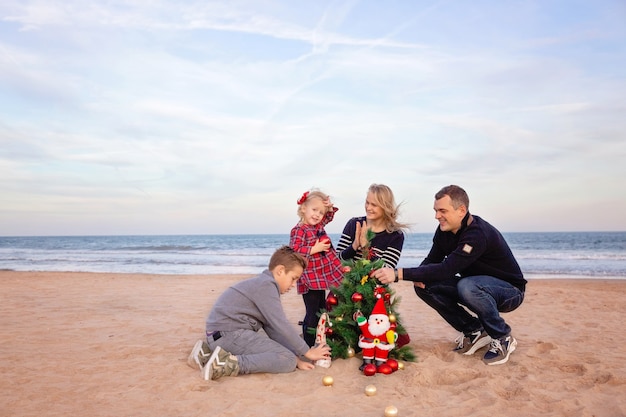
x=255, y=304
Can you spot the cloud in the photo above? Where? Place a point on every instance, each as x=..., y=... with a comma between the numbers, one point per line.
x=212, y=117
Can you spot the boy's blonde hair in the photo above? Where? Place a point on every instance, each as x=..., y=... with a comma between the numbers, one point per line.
x=308, y=196
x=287, y=257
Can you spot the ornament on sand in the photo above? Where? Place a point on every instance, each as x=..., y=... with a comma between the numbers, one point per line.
x=370, y=390
x=328, y=381
x=391, y=411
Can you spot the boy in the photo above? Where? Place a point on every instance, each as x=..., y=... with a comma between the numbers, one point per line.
x=241, y=311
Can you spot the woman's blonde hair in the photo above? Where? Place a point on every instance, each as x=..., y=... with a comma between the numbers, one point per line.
x=383, y=197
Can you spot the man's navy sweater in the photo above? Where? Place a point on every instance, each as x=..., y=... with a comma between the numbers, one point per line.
x=477, y=248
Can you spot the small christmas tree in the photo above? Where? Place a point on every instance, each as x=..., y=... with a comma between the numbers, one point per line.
x=356, y=296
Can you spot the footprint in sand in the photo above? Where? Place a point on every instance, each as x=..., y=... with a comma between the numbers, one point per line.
x=573, y=368
x=543, y=347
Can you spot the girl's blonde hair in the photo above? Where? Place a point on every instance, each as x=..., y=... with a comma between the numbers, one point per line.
x=383, y=197
x=308, y=196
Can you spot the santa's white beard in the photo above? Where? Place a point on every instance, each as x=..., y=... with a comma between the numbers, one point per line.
x=378, y=324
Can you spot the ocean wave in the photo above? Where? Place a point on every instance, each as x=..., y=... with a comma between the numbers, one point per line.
x=544, y=254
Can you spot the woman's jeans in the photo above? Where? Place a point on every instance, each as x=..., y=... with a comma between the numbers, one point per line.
x=483, y=295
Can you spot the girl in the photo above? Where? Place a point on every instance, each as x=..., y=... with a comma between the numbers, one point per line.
x=323, y=270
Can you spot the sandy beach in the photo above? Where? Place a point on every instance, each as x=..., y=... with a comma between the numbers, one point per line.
x=84, y=344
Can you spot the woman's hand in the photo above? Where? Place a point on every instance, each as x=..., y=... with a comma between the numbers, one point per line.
x=360, y=235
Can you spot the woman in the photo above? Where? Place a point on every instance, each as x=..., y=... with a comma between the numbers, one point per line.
x=381, y=213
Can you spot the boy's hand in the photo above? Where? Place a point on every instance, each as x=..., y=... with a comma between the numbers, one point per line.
x=304, y=365
x=318, y=352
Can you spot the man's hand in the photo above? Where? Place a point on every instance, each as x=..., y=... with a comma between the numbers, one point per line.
x=385, y=275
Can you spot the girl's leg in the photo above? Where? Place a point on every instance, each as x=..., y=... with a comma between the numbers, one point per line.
x=314, y=302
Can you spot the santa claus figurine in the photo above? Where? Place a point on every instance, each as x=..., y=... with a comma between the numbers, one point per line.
x=377, y=338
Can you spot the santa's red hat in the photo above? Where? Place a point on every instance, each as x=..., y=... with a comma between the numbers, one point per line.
x=379, y=308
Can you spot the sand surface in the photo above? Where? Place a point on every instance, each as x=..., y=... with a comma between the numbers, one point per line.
x=84, y=344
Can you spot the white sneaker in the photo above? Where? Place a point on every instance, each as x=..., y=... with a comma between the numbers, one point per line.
x=221, y=363
x=500, y=350
x=469, y=344
x=199, y=355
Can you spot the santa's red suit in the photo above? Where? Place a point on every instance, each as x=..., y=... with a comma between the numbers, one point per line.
x=376, y=339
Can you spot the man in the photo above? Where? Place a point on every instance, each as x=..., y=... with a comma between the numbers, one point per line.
x=469, y=264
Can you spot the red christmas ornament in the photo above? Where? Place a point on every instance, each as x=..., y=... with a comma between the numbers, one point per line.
x=384, y=369
x=370, y=369
x=332, y=300
x=387, y=296
x=329, y=331
x=393, y=364
x=346, y=269
x=356, y=297
x=393, y=326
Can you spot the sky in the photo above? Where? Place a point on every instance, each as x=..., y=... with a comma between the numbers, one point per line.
x=212, y=117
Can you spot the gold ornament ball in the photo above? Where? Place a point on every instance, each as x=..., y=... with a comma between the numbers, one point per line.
x=327, y=381
x=391, y=411
x=401, y=366
x=370, y=390
x=392, y=318
x=351, y=352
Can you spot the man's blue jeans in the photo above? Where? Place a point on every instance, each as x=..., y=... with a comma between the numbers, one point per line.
x=483, y=295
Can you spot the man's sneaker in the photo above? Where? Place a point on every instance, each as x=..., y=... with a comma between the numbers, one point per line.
x=500, y=350
x=468, y=344
x=221, y=363
x=199, y=355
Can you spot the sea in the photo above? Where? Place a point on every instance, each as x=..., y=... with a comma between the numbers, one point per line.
x=600, y=255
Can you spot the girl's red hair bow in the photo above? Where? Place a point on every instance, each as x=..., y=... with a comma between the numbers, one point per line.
x=303, y=198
